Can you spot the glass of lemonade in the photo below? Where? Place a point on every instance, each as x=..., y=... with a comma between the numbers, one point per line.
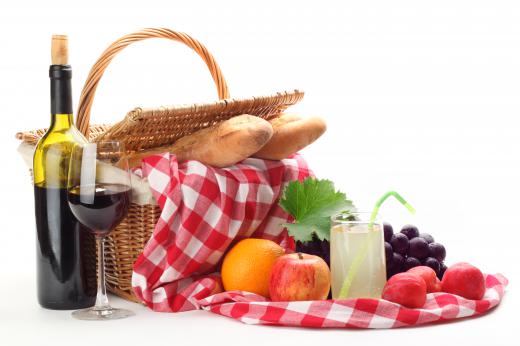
x=353, y=245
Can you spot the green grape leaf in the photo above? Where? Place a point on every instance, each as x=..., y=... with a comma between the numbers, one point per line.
x=312, y=203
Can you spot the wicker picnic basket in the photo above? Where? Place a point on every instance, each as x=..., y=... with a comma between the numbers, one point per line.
x=146, y=128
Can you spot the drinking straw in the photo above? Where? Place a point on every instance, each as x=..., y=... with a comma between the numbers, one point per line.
x=360, y=257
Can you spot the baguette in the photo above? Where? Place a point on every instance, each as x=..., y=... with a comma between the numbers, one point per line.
x=291, y=134
x=222, y=145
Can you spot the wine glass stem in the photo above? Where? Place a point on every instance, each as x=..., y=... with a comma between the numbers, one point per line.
x=101, y=297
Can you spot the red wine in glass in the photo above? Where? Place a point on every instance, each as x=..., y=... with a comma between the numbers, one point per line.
x=103, y=210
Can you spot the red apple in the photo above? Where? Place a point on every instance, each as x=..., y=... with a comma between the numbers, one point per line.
x=464, y=280
x=299, y=276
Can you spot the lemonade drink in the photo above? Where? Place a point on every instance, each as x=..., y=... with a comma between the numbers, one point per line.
x=347, y=240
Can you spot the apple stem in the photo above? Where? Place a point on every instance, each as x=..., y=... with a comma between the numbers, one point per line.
x=300, y=256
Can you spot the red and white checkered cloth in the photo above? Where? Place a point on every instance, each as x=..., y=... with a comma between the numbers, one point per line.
x=206, y=209
x=352, y=313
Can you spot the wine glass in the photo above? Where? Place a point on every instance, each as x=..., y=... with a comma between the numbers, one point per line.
x=99, y=193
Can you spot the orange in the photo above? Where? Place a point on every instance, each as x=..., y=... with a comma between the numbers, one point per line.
x=247, y=266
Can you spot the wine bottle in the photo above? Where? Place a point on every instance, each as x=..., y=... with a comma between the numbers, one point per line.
x=66, y=273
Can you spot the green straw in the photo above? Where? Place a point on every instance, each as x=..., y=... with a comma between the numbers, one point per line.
x=356, y=263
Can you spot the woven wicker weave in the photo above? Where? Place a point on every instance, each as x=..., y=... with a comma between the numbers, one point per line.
x=145, y=128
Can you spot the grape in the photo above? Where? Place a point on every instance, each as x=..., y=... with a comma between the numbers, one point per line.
x=418, y=248
x=388, y=251
x=389, y=274
x=389, y=267
x=409, y=248
x=442, y=270
x=410, y=231
x=437, y=251
x=325, y=251
x=429, y=239
x=325, y=246
x=397, y=262
x=411, y=262
x=389, y=231
x=433, y=263
x=399, y=243
x=317, y=247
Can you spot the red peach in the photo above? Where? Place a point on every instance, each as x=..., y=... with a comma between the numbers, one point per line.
x=406, y=289
x=429, y=277
x=464, y=280
x=299, y=276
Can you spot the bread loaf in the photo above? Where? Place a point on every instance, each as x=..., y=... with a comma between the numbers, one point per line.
x=291, y=133
x=221, y=145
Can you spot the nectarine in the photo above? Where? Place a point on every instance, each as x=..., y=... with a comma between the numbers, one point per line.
x=406, y=289
x=464, y=280
x=428, y=275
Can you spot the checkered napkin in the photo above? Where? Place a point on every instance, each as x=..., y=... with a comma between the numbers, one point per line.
x=204, y=210
x=352, y=313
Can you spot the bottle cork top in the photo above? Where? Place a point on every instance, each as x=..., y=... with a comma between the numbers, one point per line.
x=60, y=50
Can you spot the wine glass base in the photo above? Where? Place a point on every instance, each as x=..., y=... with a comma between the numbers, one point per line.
x=109, y=313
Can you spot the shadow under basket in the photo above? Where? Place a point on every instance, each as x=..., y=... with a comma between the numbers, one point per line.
x=148, y=128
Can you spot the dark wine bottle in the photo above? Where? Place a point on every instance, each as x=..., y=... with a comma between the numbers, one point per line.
x=66, y=255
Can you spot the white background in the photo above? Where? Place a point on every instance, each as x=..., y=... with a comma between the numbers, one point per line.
x=419, y=96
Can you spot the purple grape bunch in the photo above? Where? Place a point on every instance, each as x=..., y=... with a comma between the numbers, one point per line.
x=409, y=248
x=316, y=247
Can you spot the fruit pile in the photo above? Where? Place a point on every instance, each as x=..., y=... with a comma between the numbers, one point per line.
x=409, y=249
x=409, y=289
x=261, y=266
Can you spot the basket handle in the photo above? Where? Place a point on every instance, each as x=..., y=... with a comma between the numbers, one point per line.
x=96, y=72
